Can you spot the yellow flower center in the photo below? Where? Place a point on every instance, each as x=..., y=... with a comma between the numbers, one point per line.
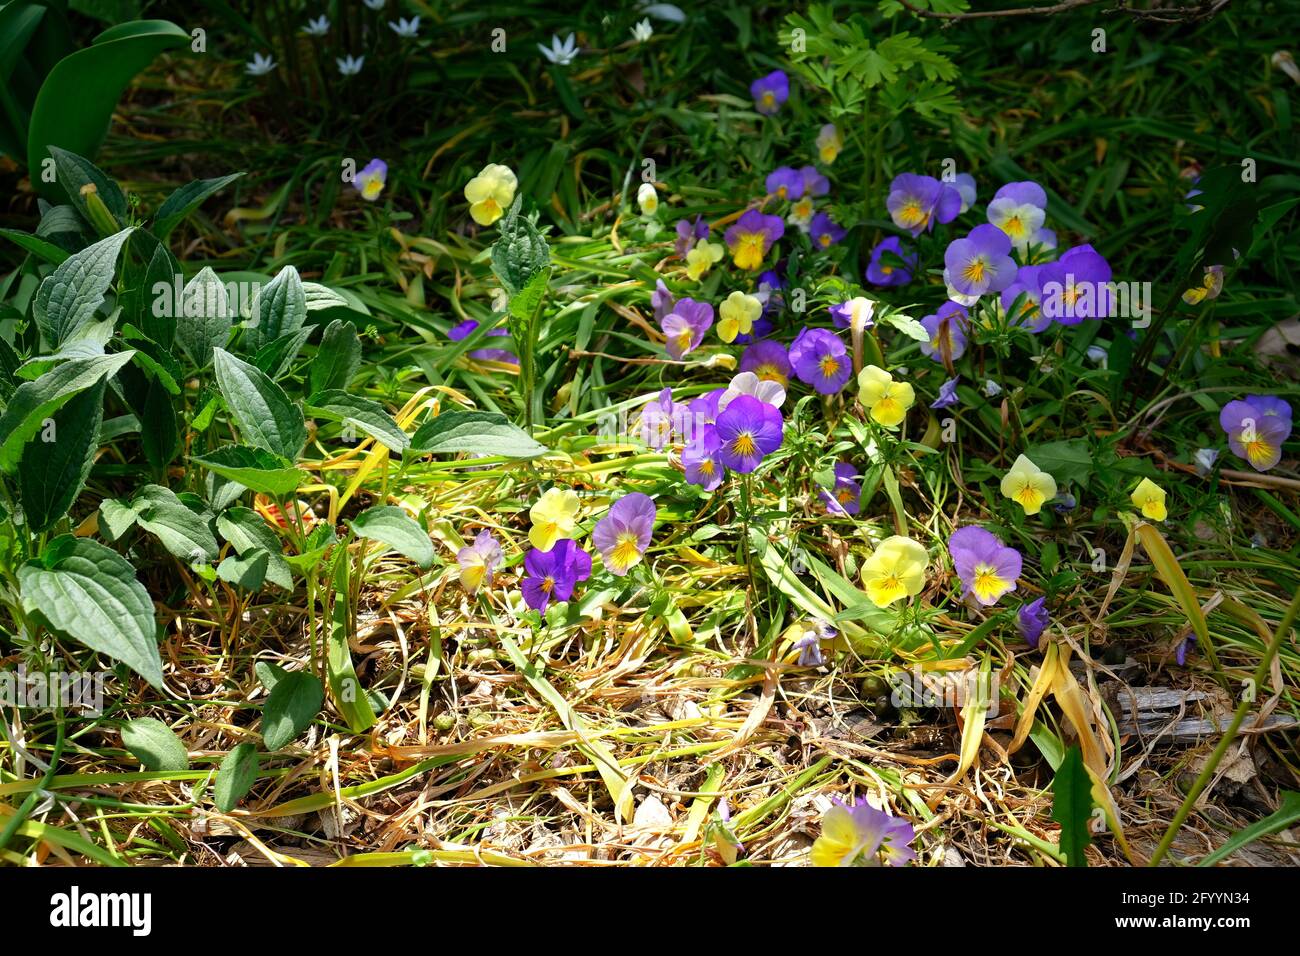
x=1258, y=452
x=548, y=584
x=626, y=552
x=744, y=445
x=830, y=366
x=912, y=216
x=987, y=584
x=974, y=271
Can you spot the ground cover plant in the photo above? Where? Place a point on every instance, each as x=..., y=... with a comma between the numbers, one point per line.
x=851, y=434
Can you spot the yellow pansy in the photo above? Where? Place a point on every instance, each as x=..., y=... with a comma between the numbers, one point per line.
x=700, y=259
x=554, y=516
x=736, y=315
x=895, y=570
x=829, y=143
x=840, y=842
x=1150, y=498
x=490, y=193
x=1029, y=485
x=887, y=400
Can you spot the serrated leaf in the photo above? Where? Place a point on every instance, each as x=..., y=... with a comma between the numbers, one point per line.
x=204, y=317
x=337, y=358
x=185, y=200
x=182, y=532
x=154, y=744
x=479, y=433
x=291, y=706
x=1072, y=806
x=520, y=252
x=52, y=473
x=392, y=526
x=33, y=402
x=265, y=415
x=70, y=296
x=89, y=593
x=235, y=777
x=275, y=357
x=279, y=308
x=255, y=469
x=362, y=413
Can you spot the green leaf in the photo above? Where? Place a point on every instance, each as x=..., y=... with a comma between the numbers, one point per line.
x=1072, y=806
x=203, y=317
x=52, y=472
x=182, y=532
x=235, y=777
x=77, y=98
x=157, y=322
x=74, y=172
x=337, y=358
x=154, y=744
x=265, y=415
x=390, y=525
x=89, y=593
x=275, y=357
x=292, y=704
x=36, y=246
x=362, y=413
x=268, y=674
x=255, y=469
x=247, y=532
x=345, y=687
x=69, y=298
x=520, y=252
x=185, y=200
x=1287, y=815
x=1069, y=462
x=479, y=433
x=115, y=518
x=279, y=308
x=33, y=402
x=246, y=571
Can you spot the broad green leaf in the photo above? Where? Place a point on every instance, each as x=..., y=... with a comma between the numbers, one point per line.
x=204, y=317
x=90, y=593
x=520, y=252
x=55, y=463
x=479, y=433
x=156, y=309
x=115, y=518
x=154, y=745
x=255, y=469
x=247, y=532
x=337, y=357
x=275, y=357
x=362, y=413
x=1069, y=462
x=36, y=246
x=390, y=525
x=185, y=200
x=182, y=532
x=77, y=98
x=160, y=437
x=291, y=706
x=70, y=296
x=279, y=308
x=73, y=173
x=245, y=571
x=268, y=674
x=33, y=402
x=1072, y=806
x=265, y=415
x=235, y=777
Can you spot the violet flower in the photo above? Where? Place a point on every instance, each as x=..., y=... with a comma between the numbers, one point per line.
x=768, y=360
x=916, y=203
x=980, y=262
x=552, y=575
x=748, y=430
x=623, y=535
x=820, y=359
x=987, y=568
x=685, y=326
x=770, y=92
x=947, y=327
x=845, y=497
x=1032, y=619
x=890, y=263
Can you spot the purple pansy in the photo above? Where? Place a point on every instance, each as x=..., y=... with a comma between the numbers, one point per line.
x=702, y=459
x=1026, y=192
x=661, y=300
x=552, y=575
x=624, y=533
x=947, y=324
x=770, y=91
x=980, y=262
x=825, y=231
x=1032, y=619
x=768, y=360
x=820, y=359
x=964, y=183
x=464, y=329
x=1256, y=428
x=750, y=238
x=890, y=263
x=662, y=418
x=1076, y=287
x=704, y=410
x=987, y=568
x=814, y=183
x=947, y=394
x=916, y=203
x=688, y=234
x=685, y=326
x=748, y=430
x=785, y=182
x=845, y=497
